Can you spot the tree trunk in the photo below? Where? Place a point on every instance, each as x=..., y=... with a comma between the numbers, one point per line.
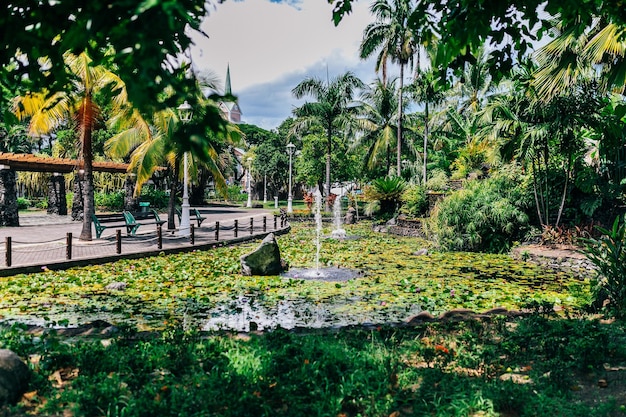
x=425, y=143
x=399, y=150
x=171, y=205
x=329, y=148
x=565, y=187
x=88, y=202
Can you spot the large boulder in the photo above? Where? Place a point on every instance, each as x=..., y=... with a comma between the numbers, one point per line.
x=264, y=260
x=14, y=376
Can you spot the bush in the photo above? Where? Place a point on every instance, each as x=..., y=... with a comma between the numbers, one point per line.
x=387, y=191
x=110, y=201
x=486, y=216
x=437, y=181
x=414, y=201
x=22, y=203
x=608, y=253
x=158, y=199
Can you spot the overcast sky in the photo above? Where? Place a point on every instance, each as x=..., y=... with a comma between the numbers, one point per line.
x=272, y=46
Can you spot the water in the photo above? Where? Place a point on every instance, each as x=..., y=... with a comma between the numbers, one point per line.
x=338, y=232
x=318, y=227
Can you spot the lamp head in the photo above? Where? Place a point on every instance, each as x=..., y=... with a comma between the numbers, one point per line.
x=185, y=112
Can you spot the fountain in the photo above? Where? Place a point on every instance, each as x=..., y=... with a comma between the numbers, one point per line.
x=326, y=273
x=339, y=232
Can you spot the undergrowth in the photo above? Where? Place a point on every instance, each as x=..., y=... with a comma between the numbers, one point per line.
x=439, y=369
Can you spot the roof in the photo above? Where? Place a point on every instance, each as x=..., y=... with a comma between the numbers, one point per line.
x=33, y=163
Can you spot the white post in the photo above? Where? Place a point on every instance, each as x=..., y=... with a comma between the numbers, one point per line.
x=290, y=149
x=184, y=227
x=249, y=204
x=265, y=189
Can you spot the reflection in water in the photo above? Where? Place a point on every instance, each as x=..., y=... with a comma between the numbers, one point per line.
x=245, y=314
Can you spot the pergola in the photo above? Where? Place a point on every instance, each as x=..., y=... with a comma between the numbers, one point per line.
x=10, y=163
x=33, y=163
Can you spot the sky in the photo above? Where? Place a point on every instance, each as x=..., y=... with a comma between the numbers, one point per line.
x=272, y=46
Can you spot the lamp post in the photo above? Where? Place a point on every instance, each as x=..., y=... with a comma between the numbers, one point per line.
x=265, y=189
x=185, y=112
x=290, y=150
x=249, y=181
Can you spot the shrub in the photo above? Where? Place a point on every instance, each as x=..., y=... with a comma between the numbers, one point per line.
x=437, y=181
x=485, y=216
x=414, y=201
x=22, y=203
x=157, y=198
x=387, y=191
x=110, y=201
x=43, y=204
x=608, y=253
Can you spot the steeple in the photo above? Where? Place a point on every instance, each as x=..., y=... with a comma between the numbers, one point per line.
x=227, y=89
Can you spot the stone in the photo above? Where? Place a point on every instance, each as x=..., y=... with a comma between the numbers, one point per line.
x=117, y=286
x=264, y=260
x=350, y=217
x=14, y=376
x=421, y=252
x=423, y=317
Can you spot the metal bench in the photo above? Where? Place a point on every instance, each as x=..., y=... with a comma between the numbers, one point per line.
x=131, y=221
x=192, y=211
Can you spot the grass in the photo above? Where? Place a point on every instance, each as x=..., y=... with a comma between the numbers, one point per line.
x=539, y=365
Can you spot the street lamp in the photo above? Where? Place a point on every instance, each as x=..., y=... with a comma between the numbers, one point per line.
x=290, y=150
x=265, y=189
x=249, y=181
x=185, y=112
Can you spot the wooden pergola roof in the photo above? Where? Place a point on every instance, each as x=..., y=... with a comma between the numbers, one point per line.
x=32, y=163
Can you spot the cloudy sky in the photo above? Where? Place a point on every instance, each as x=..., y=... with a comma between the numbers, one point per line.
x=272, y=46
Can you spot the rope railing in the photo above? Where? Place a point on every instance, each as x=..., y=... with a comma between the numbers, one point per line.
x=16, y=253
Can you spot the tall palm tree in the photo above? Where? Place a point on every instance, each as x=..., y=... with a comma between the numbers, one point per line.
x=427, y=88
x=378, y=122
x=154, y=144
x=333, y=110
x=48, y=112
x=391, y=37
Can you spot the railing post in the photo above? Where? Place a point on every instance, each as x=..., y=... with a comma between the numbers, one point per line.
x=7, y=244
x=236, y=227
x=275, y=220
x=118, y=241
x=217, y=231
x=192, y=234
x=251, y=225
x=264, y=224
x=68, y=246
x=159, y=236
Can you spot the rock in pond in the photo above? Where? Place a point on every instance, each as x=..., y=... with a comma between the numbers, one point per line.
x=264, y=260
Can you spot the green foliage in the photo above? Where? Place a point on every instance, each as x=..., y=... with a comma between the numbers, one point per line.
x=439, y=369
x=414, y=201
x=387, y=191
x=608, y=254
x=158, y=199
x=110, y=201
x=486, y=215
x=23, y=203
x=437, y=180
x=235, y=194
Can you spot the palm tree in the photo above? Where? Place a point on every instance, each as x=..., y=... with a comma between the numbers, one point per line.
x=154, y=144
x=391, y=36
x=333, y=109
x=48, y=112
x=378, y=123
x=427, y=88
x=578, y=52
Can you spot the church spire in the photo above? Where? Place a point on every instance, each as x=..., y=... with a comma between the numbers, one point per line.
x=227, y=89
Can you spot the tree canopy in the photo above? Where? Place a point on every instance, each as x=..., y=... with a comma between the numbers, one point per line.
x=142, y=40
x=509, y=25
